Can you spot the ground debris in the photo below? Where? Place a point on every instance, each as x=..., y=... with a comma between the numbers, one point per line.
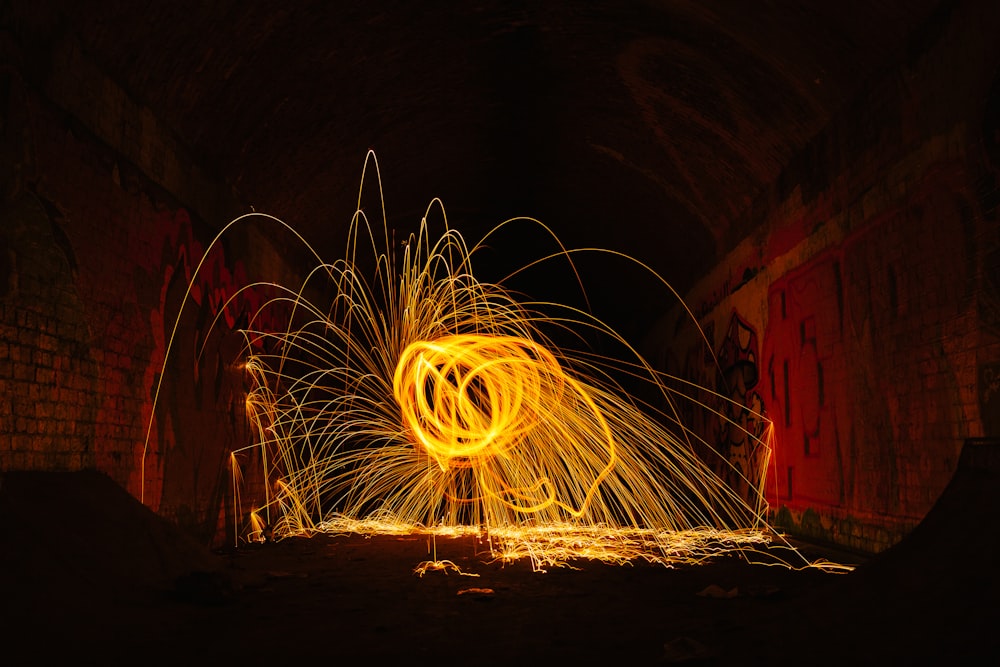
x=716, y=591
x=685, y=650
x=478, y=593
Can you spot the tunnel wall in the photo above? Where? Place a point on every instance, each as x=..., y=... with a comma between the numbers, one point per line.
x=104, y=222
x=861, y=314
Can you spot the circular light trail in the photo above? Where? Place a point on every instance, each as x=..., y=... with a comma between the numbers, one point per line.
x=468, y=399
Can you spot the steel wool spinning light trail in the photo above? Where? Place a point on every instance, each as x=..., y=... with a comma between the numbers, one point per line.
x=414, y=397
x=485, y=402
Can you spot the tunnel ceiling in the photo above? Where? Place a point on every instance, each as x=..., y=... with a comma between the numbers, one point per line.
x=645, y=127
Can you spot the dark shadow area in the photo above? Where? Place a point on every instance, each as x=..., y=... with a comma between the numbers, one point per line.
x=92, y=576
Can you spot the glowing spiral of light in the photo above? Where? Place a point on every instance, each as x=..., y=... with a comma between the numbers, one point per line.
x=470, y=398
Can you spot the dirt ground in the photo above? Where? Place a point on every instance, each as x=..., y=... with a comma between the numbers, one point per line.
x=124, y=587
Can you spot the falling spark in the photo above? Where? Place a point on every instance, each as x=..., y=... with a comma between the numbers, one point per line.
x=415, y=398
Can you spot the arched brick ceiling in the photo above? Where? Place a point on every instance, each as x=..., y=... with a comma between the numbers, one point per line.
x=646, y=127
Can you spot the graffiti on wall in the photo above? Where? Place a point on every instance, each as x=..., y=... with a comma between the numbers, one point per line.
x=133, y=256
x=741, y=427
x=199, y=416
x=859, y=372
x=804, y=382
x=858, y=365
x=733, y=426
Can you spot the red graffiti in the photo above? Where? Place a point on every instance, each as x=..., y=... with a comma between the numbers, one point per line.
x=803, y=382
x=858, y=372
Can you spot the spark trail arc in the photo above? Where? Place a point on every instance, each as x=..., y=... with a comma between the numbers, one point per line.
x=407, y=395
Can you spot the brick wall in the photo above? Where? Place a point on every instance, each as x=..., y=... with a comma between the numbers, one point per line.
x=864, y=299
x=104, y=222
